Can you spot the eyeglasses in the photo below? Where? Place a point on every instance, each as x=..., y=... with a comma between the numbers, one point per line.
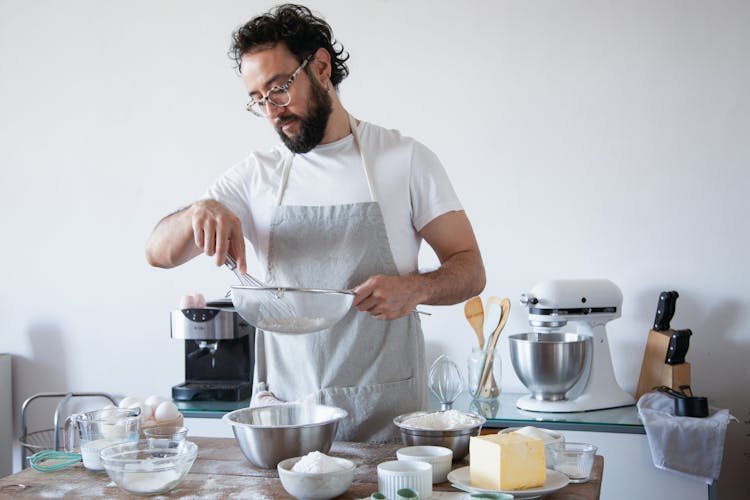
x=278, y=95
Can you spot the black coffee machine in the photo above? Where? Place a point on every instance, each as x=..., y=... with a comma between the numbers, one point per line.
x=219, y=353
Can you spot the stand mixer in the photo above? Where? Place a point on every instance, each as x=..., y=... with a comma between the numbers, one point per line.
x=583, y=305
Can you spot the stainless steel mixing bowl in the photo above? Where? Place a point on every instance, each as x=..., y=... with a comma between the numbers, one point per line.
x=269, y=434
x=549, y=364
x=455, y=439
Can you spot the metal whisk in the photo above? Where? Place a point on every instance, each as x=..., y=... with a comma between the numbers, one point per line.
x=245, y=279
x=445, y=381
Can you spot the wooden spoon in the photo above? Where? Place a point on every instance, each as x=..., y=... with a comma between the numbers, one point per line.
x=492, y=343
x=474, y=313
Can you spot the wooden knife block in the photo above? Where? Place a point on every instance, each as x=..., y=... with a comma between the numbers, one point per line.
x=655, y=371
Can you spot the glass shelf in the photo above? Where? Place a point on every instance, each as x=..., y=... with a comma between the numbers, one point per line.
x=499, y=413
x=503, y=413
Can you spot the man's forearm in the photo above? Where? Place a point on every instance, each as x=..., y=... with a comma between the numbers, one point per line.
x=458, y=278
x=171, y=243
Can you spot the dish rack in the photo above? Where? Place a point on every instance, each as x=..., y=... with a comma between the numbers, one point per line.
x=49, y=439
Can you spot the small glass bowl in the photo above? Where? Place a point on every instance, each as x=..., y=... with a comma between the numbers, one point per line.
x=165, y=436
x=166, y=432
x=575, y=460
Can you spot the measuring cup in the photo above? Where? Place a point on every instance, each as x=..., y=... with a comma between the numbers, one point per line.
x=94, y=430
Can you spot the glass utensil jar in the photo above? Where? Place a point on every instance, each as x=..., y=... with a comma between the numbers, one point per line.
x=475, y=366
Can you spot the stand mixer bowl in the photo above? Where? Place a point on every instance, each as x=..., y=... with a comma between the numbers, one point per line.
x=549, y=364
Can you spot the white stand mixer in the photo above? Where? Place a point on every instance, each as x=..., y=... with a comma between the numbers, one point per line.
x=586, y=305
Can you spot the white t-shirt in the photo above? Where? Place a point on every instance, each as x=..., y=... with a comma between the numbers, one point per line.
x=410, y=184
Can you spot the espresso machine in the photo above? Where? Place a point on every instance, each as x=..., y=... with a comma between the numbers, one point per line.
x=578, y=364
x=219, y=353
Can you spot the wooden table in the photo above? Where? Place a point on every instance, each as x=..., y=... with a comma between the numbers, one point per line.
x=222, y=470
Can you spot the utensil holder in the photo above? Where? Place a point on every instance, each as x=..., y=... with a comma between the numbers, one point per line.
x=491, y=389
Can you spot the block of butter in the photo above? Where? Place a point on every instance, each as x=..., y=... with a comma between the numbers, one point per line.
x=506, y=462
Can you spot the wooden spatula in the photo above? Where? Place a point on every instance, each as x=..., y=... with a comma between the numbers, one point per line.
x=474, y=313
x=489, y=353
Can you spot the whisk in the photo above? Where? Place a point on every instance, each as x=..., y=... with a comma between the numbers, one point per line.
x=245, y=279
x=445, y=381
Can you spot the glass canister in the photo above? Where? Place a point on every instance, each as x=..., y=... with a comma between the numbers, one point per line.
x=491, y=389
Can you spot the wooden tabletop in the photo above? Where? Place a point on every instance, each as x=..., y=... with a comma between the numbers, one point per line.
x=221, y=471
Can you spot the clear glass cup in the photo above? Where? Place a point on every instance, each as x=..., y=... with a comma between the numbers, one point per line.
x=165, y=436
x=95, y=430
x=475, y=366
x=575, y=460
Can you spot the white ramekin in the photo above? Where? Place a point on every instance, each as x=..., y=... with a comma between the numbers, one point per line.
x=397, y=474
x=439, y=457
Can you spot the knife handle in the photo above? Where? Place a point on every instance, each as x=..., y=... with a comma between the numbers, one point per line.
x=679, y=342
x=665, y=310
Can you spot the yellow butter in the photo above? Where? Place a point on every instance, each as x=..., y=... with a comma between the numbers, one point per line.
x=506, y=462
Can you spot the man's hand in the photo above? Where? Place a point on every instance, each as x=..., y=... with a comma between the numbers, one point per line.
x=387, y=297
x=205, y=226
x=218, y=232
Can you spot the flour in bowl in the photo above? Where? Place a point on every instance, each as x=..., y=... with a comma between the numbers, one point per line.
x=317, y=462
x=149, y=482
x=441, y=420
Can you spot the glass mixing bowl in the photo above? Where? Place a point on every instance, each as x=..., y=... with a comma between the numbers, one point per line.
x=140, y=468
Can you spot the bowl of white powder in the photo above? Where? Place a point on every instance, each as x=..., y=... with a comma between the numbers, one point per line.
x=450, y=429
x=316, y=476
x=140, y=468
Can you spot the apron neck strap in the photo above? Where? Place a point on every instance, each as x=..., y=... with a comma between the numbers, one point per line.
x=290, y=158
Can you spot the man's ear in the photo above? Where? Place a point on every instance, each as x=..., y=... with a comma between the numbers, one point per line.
x=321, y=66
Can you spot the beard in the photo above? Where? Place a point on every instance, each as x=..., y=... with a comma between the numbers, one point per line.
x=312, y=128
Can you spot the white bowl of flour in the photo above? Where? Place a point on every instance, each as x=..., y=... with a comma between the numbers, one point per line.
x=316, y=476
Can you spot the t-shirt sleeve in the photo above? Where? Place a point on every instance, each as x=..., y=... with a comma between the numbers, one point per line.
x=432, y=193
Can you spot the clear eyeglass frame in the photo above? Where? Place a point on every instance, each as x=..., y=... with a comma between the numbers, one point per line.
x=278, y=95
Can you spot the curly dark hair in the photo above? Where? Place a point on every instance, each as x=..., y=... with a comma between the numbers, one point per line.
x=295, y=26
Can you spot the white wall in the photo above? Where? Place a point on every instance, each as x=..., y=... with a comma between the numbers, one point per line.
x=586, y=139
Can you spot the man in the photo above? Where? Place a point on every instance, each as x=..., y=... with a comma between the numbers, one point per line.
x=343, y=204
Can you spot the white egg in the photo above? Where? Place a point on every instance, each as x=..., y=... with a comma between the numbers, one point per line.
x=129, y=401
x=154, y=400
x=146, y=410
x=166, y=411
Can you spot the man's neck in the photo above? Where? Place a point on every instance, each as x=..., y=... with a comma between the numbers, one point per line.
x=338, y=124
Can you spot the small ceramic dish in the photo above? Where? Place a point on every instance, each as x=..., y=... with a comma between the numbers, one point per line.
x=316, y=485
x=439, y=457
x=395, y=475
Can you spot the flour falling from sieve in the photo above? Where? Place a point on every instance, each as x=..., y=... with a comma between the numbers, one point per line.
x=441, y=420
x=296, y=324
x=317, y=462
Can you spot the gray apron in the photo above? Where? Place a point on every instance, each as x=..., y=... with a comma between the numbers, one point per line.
x=373, y=369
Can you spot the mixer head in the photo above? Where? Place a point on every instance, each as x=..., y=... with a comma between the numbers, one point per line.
x=553, y=303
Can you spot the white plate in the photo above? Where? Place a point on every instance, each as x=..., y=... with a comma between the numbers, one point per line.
x=555, y=481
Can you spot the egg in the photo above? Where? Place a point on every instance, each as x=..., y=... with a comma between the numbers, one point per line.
x=166, y=411
x=154, y=400
x=129, y=401
x=200, y=300
x=146, y=410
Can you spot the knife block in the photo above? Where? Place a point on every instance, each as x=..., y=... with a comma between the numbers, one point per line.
x=655, y=371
